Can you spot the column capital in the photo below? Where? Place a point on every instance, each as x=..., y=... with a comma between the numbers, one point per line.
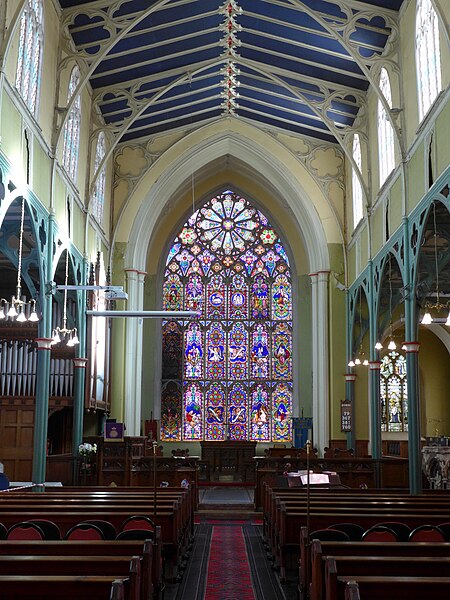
x=374, y=365
x=411, y=346
x=350, y=376
x=44, y=343
x=79, y=363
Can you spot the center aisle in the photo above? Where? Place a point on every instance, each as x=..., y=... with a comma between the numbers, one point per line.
x=228, y=559
x=228, y=576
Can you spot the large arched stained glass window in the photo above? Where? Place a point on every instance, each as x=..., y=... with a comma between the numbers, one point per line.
x=227, y=375
x=394, y=394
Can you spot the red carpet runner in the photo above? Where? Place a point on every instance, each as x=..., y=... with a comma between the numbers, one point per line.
x=228, y=576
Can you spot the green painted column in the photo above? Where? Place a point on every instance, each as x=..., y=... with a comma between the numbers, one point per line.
x=414, y=447
x=374, y=392
x=79, y=375
x=41, y=410
x=412, y=373
x=374, y=373
x=43, y=369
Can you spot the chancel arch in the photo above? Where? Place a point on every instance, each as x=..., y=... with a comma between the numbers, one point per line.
x=191, y=176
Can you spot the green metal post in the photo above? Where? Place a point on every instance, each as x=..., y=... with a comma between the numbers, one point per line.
x=374, y=373
x=412, y=375
x=43, y=372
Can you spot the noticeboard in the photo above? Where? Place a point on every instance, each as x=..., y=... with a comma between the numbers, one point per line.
x=346, y=415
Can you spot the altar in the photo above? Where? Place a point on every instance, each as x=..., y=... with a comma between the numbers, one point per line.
x=229, y=460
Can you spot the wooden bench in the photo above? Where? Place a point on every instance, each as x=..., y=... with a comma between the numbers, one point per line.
x=172, y=540
x=311, y=571
x=376, y=566
x=151, y=573
x=56, y=587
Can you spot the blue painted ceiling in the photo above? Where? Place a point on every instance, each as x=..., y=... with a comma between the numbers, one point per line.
x=300, y=66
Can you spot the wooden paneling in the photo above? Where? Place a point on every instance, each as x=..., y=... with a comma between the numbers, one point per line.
x=16, y=435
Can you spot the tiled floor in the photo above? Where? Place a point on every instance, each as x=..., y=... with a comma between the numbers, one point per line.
x=226, y=495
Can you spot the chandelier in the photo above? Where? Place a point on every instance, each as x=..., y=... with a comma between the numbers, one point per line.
x=18, y=308
x=64, y=333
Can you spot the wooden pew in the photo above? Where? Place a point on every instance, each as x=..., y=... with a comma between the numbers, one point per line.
x=311, y=570
x=373, y=587
x=377, y=566
x=57, y=587
x=151, y=574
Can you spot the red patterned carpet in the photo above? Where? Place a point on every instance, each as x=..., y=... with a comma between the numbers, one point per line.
x=228, y=575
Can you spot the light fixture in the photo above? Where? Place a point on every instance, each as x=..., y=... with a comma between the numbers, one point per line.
x=427, y=319
x=18, y=308
x=63, y=333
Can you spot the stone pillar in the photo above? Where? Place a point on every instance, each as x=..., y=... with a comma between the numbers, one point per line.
x=320, y=362
x=133, y=353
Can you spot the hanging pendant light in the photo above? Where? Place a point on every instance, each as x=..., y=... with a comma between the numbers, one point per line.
x=18, y=308
x=63, y=333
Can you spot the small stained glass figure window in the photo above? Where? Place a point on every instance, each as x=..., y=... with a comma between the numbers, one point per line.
x=394, y=393
x=29, y=61
x=227, y=374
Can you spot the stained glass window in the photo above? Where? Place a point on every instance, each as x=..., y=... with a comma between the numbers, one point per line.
x=356, y=184
x=428, y=56
x=98, y=198
x=227, y=374
x=72, y=128
x=386, y=156
x=394, y=394
x=29, y=61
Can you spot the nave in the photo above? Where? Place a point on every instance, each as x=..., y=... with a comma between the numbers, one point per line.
x=229, y=559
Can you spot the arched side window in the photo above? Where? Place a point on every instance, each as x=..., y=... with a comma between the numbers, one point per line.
x=72, y=128
x=428, y=56
x=394, y=393
x=385, y=131
x=227, y=375
x=98, y=197
x=356, y=184
x=29, y=61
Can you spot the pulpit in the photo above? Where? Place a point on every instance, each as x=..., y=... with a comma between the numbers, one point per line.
x=230, y=460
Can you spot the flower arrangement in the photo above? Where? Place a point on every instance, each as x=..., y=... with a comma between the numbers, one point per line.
x=87, y=449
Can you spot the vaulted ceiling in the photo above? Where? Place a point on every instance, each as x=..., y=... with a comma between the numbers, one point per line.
x=302, y=66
